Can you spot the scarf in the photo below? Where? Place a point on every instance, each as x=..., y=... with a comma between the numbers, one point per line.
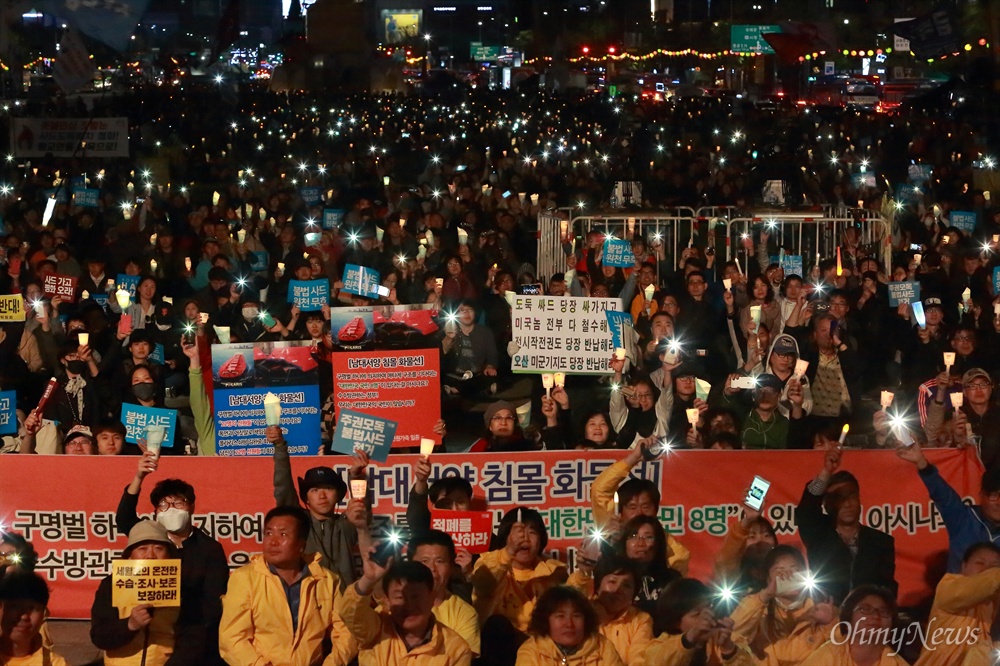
x=74, y=390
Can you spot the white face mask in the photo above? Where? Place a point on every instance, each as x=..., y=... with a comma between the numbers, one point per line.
x=174, y=520
x=249, y=313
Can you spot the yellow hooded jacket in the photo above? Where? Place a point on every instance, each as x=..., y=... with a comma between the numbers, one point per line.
x=500, y=589
x=381, y=645
x=542, y=651
x=669, y=650
x=788, y=639
x=630, y=632
x=256, y=626
x=602, y=500
x=831, y=654
x=963, y=611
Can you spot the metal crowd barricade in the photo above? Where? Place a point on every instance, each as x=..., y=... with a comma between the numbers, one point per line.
x=803, y=233
x=807, y=234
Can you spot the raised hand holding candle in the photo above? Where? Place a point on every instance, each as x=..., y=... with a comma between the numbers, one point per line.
x=547, y=382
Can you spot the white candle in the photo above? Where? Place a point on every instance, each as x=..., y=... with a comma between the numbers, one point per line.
x=692, y=415
x=887, y=397
x=560, y=379
x=426, y=447
x=957, y=399
x=843, y=433
x=620, y=353
x=616, y=502
x=84, y=339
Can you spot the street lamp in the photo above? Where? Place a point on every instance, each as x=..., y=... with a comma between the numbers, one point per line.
x=427, y=59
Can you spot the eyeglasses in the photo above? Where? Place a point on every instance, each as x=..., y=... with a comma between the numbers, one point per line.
x=498, y=417
x=645, y=538
x=884, y=613
x=993, y=496
x=643, y=396
x=964, y=338
x=979, y=386
x=175, y=504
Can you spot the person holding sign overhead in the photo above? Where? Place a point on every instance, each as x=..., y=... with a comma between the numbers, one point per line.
x=142, y=633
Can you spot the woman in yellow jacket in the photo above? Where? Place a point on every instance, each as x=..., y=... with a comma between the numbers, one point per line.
x=615, y=579
x=508, y=581
x=863, y=636
x=564, y=632
x=781, y=623
x=691, y=632
x=965, y=606
x=636, y=497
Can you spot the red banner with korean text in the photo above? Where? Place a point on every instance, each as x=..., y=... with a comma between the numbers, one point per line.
x=404, y=386
x=65, y=506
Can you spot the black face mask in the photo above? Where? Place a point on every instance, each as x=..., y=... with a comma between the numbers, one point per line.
x=77, y=367
x=144, y=391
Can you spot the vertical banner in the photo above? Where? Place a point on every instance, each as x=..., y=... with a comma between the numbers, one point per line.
x=402, y=385
x=563, y=334
x=242, y=374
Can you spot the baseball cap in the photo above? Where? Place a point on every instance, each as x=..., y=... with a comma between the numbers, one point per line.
x=77, y=432
x=974, y=373
x=785, y=344
x=933, y=302
x=767, y=380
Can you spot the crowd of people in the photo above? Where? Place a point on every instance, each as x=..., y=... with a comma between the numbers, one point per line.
x=725, y=351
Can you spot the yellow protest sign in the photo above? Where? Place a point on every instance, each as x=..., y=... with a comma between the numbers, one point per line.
x=145, y=582
x=11, y=308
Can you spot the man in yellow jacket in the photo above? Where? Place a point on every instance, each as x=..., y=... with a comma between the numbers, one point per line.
x=436, y=551
x=279, y=609
x=636, y=497
x=965, y=606
x=404, y=629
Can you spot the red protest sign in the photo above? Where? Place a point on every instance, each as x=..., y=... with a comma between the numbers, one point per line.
x=404, y=386
x=62, y=286
x=470, y=530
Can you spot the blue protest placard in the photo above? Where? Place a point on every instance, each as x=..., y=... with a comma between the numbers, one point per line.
x=61, y=194
x=618, y=253
x=358, y=431
x=242, y=374
x=919, y=173
x=127, y=282
x=86, y=197
x=790, y=263
x=8, y=413
x=259, y=261
x=309, y=295
x=332, y=218
x=312, y=196
x=903, y=292
x=906, y=194
x=996, y=280
x=616, y=322
x=158, y=355
x=137, y=418
x=77, y=183
x=361, y=281
x=963, y=220
x=101, y=299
